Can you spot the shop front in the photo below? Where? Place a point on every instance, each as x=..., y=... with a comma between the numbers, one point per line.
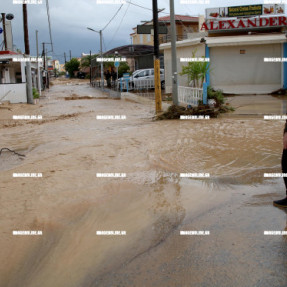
x=246, y=47
x=250, y=64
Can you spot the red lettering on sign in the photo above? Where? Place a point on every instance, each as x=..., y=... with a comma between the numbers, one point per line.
x=249, y=23
x=254, y=24
x=272, y=21
x=230, y=22
x=221, y=25
x=241, y=23
x=261, y=22
x=212, y=27
x=282, y=21
x=204, y=26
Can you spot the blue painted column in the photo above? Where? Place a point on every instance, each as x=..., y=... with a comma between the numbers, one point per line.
x=207, y=55
x=204, y=97
x=285, y=66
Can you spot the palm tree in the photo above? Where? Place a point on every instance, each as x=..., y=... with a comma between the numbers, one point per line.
x=196, y=71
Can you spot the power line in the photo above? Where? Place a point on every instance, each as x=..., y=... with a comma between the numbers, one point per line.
x=49, y=21
x=113, y=17
x=145, y=7
x=119, y=25
x=138, y=5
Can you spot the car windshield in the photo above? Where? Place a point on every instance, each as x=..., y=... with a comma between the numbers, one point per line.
x=135, y=73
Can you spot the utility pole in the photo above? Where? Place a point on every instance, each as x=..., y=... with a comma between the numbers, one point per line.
x=4, y=30
x=37, y=47
x=102, y=63
x=27, y=53
x=173, y=55
x=38, y=65
x=90, y=67
x=157, y=84
x=70, y=55
x=47, y=63
x=44, y=56
x=45, y=72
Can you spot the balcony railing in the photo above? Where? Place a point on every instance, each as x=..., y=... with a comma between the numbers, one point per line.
x=167, y=38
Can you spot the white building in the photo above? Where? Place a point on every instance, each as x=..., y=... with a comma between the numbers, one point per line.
x=247, y=54
x=13, y=77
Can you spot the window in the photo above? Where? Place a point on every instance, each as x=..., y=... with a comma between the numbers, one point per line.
x=146, y=73
x=148, y=37
x=141, y=38
x=141, y=74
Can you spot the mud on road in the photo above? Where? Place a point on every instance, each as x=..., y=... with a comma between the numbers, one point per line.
x=152, y=203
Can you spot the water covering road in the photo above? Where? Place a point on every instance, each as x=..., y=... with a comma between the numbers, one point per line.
x=152, y=204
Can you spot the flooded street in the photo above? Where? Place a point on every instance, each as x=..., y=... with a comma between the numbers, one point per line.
x=69, y=146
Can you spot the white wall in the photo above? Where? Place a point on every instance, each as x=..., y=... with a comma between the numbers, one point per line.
x=15, y=93
x=182, y=52
x=229, y=67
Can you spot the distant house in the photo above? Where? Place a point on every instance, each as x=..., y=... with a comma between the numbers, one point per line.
x=13, y=77
x=138, y=56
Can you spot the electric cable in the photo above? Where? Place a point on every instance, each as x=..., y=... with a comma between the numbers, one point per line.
x=113, y=17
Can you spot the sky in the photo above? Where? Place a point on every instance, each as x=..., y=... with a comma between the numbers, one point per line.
x=70, y=19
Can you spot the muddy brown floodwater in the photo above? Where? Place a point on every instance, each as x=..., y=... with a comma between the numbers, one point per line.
x=152, y=203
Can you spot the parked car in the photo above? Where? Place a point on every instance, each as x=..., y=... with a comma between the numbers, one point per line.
x=143, y=79
x=81, y=75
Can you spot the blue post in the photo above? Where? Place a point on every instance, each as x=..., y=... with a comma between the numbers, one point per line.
x=204, y=97
x=207, y=55
x=285, y=66
x=127, y=84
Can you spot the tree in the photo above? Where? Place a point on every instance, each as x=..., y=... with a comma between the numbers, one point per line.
x=123, y=68
x=196, y=71
x=72, y=66
x=86, y=61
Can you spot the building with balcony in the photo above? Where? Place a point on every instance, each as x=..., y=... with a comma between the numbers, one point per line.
x=185, y=25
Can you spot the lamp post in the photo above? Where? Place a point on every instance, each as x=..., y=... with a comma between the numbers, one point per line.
x=117, y=64
x=102, y=64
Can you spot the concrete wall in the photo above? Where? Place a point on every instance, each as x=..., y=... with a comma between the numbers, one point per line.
x=15, y=93
x=182, y=52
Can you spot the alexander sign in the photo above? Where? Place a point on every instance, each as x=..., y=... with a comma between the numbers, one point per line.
x=249, y=23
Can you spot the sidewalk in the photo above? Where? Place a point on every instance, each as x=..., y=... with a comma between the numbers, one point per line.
x=257, y=105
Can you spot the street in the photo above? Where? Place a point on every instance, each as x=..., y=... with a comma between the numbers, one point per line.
x=69, y=203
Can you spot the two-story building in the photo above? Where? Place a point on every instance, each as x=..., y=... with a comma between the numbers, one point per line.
x=185, y=25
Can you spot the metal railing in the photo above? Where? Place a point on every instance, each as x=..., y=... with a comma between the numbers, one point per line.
x=190, y=96
x=138, y=85
x=145, y=84
x=167, y=38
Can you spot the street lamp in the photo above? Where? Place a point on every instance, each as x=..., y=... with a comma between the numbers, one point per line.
x=9, y=37
x=102, y=64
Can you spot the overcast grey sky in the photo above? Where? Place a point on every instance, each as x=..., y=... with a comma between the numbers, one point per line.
x=69, y=19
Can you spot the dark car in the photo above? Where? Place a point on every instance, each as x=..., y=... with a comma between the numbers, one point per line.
x=81, y=75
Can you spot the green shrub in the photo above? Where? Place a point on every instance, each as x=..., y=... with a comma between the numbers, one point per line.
x=35, y=93
x=215, y=95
